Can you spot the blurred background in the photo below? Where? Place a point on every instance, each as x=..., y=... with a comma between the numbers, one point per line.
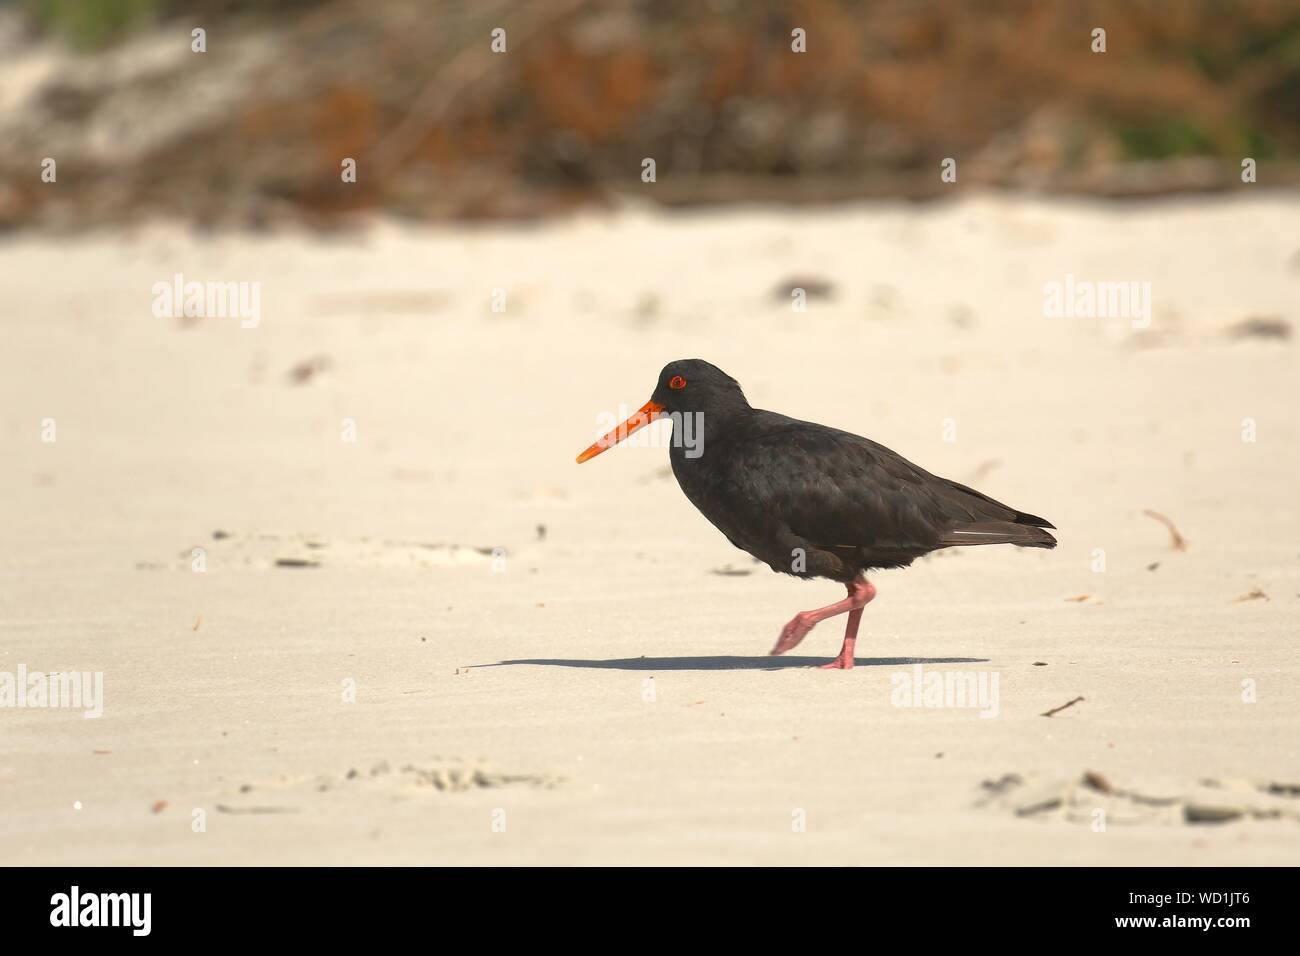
x=253, y=130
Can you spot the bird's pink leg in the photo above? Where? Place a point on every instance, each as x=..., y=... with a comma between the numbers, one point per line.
x=845, y=661
x=860, y=592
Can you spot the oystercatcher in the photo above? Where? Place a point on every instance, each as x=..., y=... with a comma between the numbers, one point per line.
x=813, y=501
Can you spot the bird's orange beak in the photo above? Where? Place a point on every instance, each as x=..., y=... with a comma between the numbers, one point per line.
x=644, y=416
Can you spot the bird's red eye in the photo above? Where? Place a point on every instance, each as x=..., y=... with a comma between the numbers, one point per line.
x=677, y=383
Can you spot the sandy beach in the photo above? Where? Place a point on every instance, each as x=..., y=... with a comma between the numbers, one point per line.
x=418, y=633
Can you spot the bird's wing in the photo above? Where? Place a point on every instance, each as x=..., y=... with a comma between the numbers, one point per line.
x=841, y=491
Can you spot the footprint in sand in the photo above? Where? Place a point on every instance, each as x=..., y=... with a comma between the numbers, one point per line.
x=408, y=781
x=306, y=551
x=1155, y=802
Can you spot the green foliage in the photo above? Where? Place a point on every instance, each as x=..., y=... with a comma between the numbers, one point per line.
x=87, y=24
x=1223, y=57
x=1162, y=138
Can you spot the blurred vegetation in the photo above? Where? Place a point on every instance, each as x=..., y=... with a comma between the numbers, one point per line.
x=94, y=24
x=89, y=24
x=441, y=126
x=1164, y=138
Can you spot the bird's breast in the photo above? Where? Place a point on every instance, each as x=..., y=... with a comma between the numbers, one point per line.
x=715, y=484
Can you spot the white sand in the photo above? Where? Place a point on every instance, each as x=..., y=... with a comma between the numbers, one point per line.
x=467, y=425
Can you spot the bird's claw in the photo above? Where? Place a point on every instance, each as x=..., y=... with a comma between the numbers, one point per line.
x=792, y=634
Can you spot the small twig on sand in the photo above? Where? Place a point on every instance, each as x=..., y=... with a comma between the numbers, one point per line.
x=1057, y=710
x=1176, y=540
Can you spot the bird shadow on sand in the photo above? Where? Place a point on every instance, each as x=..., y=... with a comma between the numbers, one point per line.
x=730, y=663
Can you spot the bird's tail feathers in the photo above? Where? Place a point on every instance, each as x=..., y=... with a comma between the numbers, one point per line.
x=1020, y=532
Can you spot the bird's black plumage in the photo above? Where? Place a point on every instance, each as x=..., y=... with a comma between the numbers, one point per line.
x=815, y=501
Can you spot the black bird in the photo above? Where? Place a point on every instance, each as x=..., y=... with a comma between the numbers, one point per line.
x=809, y=500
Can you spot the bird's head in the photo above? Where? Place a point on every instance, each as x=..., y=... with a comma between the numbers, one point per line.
x=685, y=387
